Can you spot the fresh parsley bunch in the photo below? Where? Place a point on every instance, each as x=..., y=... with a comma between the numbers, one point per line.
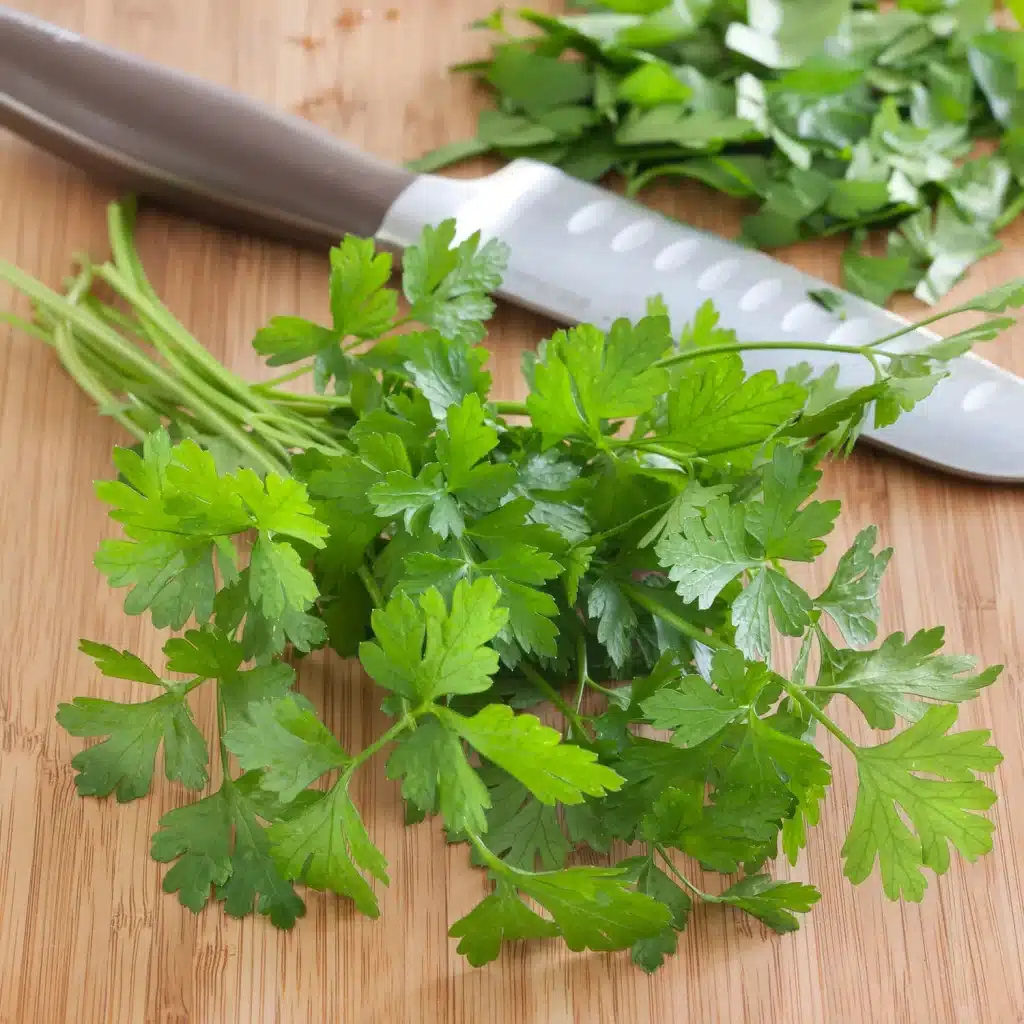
x=617, y=547
x=832, y=116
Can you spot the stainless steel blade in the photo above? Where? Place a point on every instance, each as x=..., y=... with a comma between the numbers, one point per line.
x=582, y=254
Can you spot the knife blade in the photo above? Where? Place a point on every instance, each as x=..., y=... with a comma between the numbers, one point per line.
x=578, y=253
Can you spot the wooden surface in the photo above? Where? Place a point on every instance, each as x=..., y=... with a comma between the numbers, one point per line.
x=86, y=934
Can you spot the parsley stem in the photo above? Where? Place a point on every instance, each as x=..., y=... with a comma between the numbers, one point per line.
x=370, y=583
x=64, y=344
x=654, y=448
x=193, y=683
x=489, y=859
x=85, y=320
x=582, y=673
x=222, y=728
x=816, y=713
x=910, y=328
x=682, y=878
x=643, y=598
x=379, y=743
x=754, y=346
x=267, y=385
x=25, y=326
x=1010, y=214
x=511, y=408
x=556, y=698
x=600, y=538
x=326, y=402
x=607, y=691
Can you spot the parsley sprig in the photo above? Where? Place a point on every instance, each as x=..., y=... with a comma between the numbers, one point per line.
x=827, y=117
x=617, y=547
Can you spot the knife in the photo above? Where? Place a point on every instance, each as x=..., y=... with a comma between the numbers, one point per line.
x=578, y=253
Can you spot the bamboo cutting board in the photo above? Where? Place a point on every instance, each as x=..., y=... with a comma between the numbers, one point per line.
x=86, y=935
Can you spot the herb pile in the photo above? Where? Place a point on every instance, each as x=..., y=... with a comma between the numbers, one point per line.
x=831, y=118
x=616, y=548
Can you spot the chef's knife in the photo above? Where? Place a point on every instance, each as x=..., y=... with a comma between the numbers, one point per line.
x=577, y=252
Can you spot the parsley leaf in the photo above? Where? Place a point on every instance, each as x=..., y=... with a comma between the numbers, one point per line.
x=716, y=406
x=649, y=952
x=533, y=754
x=447, y=288
x=361, y=307
x=522, y=830
x=436, y=775
x=286, y=738
x=585, y=376
x=771, y=901
x=785, y=527
x=120, y=664
x=466, y=441
x=851, y=598
x=326, y=846
x=595, y=908
x=906, y=820
x=897, y=678
x=219, y=842
x=426, y=651
x=707, y=553
x=124, y=762
x=501, y=917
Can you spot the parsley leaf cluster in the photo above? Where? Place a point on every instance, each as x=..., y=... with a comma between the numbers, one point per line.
x=575, y=607
x=827, y=117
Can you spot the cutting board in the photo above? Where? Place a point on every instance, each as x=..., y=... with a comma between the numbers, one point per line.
x=87, y=936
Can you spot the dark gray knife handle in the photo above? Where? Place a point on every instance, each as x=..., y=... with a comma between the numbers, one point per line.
x=187, y=142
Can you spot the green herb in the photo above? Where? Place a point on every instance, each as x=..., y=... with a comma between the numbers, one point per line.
x=629, y=576
x=829, y=300
x=833, y=117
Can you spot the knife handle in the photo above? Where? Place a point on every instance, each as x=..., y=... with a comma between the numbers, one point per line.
x=189, y=143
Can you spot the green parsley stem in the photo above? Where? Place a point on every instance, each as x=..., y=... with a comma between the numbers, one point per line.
x=511, y=408
x=597, y=687
x=222, y=728
x=295, y=432
x=600, y=538
x=1010, y=214
x=379, y=743
x=755, y=346
x=798, y=694
x=25, y=326
x=643, y=598
x=193, y=683
x=82, y=319
x=495, y=863
x=658, y=449
x=556, y=698
x=327, y=402
x=268, y=385
x=129, y=279
x=108, y=403
x=682, y=878
x=910, y=328
x=582, y=673
x=370, y=583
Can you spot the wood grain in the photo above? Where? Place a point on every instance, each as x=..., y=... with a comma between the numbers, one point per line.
x=86, y=934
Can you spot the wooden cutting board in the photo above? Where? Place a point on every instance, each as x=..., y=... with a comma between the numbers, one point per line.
x=86, y=934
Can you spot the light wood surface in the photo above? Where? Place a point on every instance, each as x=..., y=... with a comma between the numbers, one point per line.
x=86, y=934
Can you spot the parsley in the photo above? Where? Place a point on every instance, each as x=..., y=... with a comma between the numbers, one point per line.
x=829, y=118
x=618, y=547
